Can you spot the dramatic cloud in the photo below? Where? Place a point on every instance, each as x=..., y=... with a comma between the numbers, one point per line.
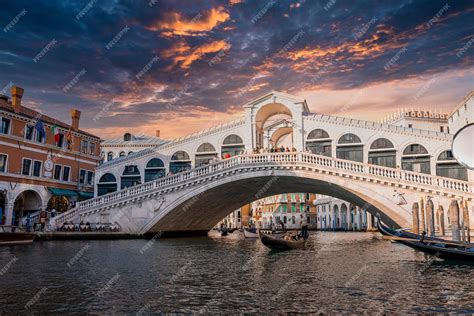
x=176, y=24
x=166, y=64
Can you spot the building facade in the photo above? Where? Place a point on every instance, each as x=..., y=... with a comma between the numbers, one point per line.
x=335, y=214
x=118, y=147
x=428, y=120
x=44, y=163
x=293, y=209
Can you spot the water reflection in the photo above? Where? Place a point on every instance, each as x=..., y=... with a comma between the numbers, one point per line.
x=339, y=272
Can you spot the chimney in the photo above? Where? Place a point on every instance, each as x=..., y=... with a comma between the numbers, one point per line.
x=17, y=94
x=157, y=133
x=75, y=116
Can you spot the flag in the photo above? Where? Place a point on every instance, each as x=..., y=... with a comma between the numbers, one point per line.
x=56, y=133
x=40, y=129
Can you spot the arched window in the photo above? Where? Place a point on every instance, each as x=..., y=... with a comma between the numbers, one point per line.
x=180, y=161
x=350, y=147
x=416, y=158
x=318, y=142
x=122, y=154
x=110, y=156
x=130, y=177
x=232, y=145
x=448, y=167
x=205, y=154
x=383, y=153
x=127, y=137
x=107, y=183
x=130, y=152
x=155, y=169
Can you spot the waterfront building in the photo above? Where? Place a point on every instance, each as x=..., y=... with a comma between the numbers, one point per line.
x=293, y=209
x=336, y=214
x=463, y=114
x=428, y=120
x=127, y=144
x=44, y=163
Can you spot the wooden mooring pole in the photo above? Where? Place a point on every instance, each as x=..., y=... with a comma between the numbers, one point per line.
x=441, y=220
x=416, y=218
x=422, y=217
x=430, y=217
x=465, y=221
x=454, y=216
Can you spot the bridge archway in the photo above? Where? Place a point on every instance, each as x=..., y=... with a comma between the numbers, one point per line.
x=415, y=157
x=28, y=201
x=383, y=153
x=350, y=147
x=180, y=161
x=273, y=124
x=107, y=183
x=202, y=207
x=319, y=142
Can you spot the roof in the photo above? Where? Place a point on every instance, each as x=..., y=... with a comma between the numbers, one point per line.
x=464, y=101
x=33, y=114
x=136, y=140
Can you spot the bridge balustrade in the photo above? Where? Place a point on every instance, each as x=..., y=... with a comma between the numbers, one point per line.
x=328, y=163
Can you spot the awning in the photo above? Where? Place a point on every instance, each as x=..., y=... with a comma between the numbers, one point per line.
x=62, y=192
x=86, y=195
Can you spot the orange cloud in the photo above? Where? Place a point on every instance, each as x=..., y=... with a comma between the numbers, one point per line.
x=175, y=24
x=184, y=55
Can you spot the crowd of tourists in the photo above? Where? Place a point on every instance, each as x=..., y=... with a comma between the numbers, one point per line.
x=88, y=227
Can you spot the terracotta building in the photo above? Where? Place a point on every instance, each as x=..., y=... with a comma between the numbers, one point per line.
x=44, y=163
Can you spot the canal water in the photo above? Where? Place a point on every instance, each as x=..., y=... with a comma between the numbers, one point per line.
x=339, y=272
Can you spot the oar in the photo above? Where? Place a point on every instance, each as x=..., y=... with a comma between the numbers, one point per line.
x=451, y=243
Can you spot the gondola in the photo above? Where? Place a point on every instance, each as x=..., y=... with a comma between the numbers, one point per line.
x=276, y=241
x=250, y=233
x=441, y=248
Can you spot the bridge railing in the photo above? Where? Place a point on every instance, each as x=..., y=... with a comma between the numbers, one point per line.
x=291, y=158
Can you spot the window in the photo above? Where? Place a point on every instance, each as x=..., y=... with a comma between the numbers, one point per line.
x=37, y=168
x=90, y=177
x=82, y=176
x=61, y=142
x=3, y=163
x=293, y=208
x=91, y=148
x=410, y=125
x=57, y=172
x=29, y=132
x=39, y=138
x=84, y=146
x=4, y=126
x=122, y=154
x=441, y=129
x=307, y=196
x=110, y=156
x=26, y=167
x=66, y=172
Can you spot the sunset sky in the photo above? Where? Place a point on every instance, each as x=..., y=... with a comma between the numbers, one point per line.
x=180, y=66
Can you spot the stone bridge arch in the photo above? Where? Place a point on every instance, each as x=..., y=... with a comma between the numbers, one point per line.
x=201, y=207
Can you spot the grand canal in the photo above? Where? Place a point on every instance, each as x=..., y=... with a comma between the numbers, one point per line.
x=340, y=272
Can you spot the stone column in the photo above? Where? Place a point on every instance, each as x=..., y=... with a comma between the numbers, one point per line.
x=441, y=220
x=430, y=217
x=416, y=218
x=465, y=221
x=454, y=215
x=9, y=213
x=422, y=217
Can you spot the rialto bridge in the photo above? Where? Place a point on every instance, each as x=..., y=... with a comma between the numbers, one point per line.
x=187, y=185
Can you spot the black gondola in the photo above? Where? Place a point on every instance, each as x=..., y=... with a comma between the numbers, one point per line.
x=438, y=247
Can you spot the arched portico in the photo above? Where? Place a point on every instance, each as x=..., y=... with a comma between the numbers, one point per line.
x=28, y=201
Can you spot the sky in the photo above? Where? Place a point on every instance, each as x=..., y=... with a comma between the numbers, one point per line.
x=182, y=66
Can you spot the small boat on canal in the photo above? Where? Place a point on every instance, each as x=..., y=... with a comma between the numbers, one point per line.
x=250, y=233
x=13, y=235
x=284, y=240
x=441, y=248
